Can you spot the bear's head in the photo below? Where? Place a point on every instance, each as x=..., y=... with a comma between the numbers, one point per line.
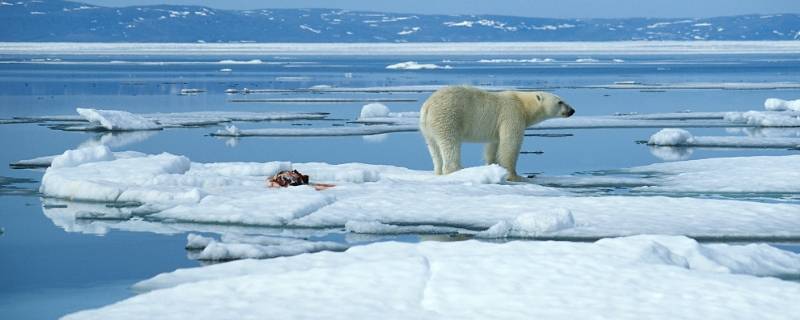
x=553, y=106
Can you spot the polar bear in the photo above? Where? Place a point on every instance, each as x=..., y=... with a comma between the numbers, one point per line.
x=461, y=113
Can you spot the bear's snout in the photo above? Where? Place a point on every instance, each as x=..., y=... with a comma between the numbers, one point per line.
x=569, y=112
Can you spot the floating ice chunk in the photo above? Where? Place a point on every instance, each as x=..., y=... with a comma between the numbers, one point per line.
x=232, y=130
x=433, y=280
x=413, y=65
x=775, y=104
x=252, y=61
x=191, y=91
x=374, y=110
x=671, y=137
x=38, y=162
x=317, y=131
x=116, y=120
x=586, y=60
x=197, y=242
x=530, y=225
x=682, y=138
x=226, y=70
x=765, y=118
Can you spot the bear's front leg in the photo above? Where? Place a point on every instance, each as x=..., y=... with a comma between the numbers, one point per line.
x=508, y=151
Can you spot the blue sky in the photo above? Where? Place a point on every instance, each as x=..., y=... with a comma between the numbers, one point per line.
x=552, y=8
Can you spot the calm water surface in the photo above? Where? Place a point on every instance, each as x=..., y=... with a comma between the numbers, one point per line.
x=46, y=272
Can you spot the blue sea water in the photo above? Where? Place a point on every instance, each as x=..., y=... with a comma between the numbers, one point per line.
x=46, y=271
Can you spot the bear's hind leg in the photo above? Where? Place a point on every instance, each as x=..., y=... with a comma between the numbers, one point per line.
x=490, y=153
x=451, y=155
x=436, y=155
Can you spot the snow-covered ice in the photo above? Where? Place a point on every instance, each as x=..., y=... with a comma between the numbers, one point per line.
x=682, y=138
x=765, y=118
x=315, y=131
x=115, y=120
x=658, y=277
x=775, y=104
x=413, y=65
x=171, y=188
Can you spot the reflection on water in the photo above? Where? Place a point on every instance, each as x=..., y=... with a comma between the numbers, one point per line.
x=671, y=153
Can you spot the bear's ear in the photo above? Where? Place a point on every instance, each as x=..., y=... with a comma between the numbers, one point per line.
x=539, y=97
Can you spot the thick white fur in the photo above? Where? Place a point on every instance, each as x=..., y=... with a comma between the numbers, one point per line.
x=453, y=115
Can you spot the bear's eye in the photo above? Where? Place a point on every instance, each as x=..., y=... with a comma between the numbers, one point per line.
x=561, y=103
x=538, y=97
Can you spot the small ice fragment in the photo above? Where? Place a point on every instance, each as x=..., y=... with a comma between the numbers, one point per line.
x=671, y=137
x=232, y=130
x=197, y=242
x=775, y=104
x=374, y=110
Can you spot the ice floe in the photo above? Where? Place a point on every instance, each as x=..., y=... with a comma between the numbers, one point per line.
x=765, y=118
x=775, y=104
x=315, y=131
x=469, y=279
x=413, y=65
x=172, y=189
x=682, y=138
x=116, y=120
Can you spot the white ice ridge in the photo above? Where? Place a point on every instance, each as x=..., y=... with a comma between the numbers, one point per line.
x=232, y=247
x=413, y=65
x=117, y=120
x=775, y=104
x=171, y=188
x=657, y=277
x=681, y=138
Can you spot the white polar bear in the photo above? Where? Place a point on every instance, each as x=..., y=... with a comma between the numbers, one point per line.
x=455, y=114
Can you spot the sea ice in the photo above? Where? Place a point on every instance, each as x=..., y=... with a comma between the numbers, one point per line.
x=775, y=104
x=413, y=65
x=115, y=120
x=682, y=138
x=170, y=189
x=765, y=118
x=660, y=277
